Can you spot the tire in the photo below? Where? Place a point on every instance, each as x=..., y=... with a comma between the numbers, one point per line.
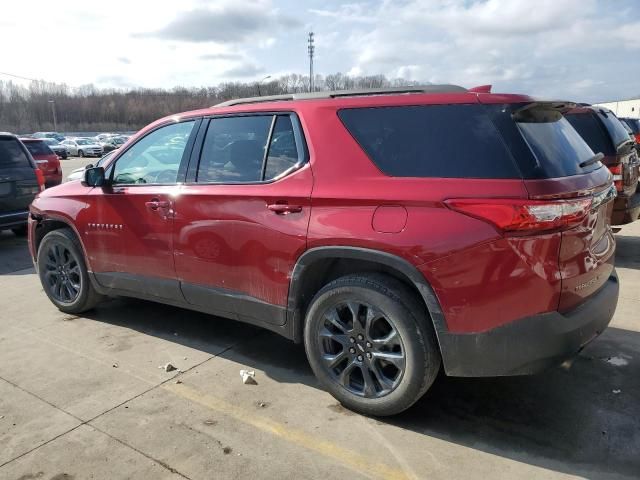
x=79, y=295
x=20, y=231
x=80, y=153
x=395, y=385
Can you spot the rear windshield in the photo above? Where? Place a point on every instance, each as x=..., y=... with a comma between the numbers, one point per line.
x=618, y=133
x=634, y=124
x=12, y=154
x=38, y=148
x=590, y=128
x=558, y=148
x=448, y=141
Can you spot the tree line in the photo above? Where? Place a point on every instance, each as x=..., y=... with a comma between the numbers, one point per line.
x=27, y=108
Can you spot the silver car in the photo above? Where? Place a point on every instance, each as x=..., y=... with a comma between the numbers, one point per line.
x=83, y=147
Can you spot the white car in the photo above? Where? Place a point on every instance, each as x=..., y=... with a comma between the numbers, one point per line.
x=78, y=173
x=83, y=147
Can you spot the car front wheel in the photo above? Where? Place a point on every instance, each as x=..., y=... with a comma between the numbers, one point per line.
x=80, y=153
x=63, y=273
x=371, y=344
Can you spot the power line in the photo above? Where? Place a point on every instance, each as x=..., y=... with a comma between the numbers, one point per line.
x=21, y=77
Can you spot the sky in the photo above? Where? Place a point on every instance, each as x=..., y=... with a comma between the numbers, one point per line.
x=584, y=50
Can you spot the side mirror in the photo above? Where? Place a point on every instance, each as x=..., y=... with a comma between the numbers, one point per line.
x=88, y=166
x=94, y=177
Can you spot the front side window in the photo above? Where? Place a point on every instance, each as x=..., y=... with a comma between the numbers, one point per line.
x=155, y=158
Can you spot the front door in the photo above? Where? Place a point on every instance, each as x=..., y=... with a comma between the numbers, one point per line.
x=128, y=225
x=241, y=220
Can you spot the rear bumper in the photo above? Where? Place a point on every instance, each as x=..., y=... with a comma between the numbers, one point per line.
x=13, y=219
x=626, y=209
x=532, y=344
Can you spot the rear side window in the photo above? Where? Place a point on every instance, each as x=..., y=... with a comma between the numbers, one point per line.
x=12, y=154
x=448, y=141
x=38, y=148
x=248, y=149
x=592, y=131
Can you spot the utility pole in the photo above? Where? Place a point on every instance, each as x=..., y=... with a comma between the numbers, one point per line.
x=311, y=48
x=53, y=110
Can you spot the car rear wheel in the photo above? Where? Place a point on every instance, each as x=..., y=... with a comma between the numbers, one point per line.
x=80, y=153
x=371, y=344
x=63, y=273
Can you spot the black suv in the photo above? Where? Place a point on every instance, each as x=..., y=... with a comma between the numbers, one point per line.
x=20, y=181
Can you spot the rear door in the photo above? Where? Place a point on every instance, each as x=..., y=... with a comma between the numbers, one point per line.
x=18, y=182
x=242, y=217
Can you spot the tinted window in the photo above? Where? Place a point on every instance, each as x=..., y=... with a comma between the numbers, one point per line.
x=558, y=147
x=453, y=141
x=234, y=149
x=283, y=152
x=155, y=158
x=11, y=153
x=38, y=148
x=618, y=133
x=590, y=129
x=634, y=124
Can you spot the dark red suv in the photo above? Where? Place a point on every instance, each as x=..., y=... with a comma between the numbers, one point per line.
x=46, y=160
x=393, y=232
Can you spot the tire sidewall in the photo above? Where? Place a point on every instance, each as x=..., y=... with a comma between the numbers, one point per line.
x=64, y=238
x=417, y=354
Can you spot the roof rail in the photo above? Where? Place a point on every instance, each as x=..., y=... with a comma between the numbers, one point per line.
x=345, y=93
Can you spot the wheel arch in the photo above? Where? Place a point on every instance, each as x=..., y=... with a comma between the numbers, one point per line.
x=49, y=223
x=318, y=266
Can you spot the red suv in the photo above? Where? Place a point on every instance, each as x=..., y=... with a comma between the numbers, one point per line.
x=46, y=160
x=393, y=232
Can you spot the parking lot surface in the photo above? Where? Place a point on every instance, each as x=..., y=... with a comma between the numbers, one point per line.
x=83, y=397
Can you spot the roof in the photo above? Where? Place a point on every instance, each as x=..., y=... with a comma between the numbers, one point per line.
x=345, y=93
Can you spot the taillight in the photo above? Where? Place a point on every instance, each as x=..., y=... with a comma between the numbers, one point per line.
x=618, y=180
x=637, y=135
x=40, y=177
x=524, y=216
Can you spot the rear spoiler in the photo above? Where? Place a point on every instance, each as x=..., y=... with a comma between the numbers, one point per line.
x=481, y=89
x=551, y=111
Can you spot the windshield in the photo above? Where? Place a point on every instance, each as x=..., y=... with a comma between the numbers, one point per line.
x=83, y=141
x=618, y=134
x=558, y=148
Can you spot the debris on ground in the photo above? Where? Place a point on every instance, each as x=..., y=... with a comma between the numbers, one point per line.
x=178, y=381
x=616, y=391
x=617, y=361
x=248, y=377
x=115, y=365
x=227, y=450
x=168, y=367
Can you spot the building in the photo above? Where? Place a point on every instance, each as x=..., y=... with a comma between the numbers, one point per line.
x=623, y=108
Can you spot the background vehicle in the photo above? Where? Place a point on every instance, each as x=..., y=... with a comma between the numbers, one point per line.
x=358, y=235
x=20, y=181
x=56, y=147
x=634, y=125
x=45, y=159
x=78, y=173
x=604, y=133
x=83, y=147
x=108, y=144
x=56, y=135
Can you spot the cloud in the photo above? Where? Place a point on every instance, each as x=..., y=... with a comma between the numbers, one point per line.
x=243, y=70
x=225, y=24
x=220, y=56
x=124, y=60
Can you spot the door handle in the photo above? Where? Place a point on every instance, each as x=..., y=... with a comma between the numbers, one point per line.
x=157, y=204
x=283, y=208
